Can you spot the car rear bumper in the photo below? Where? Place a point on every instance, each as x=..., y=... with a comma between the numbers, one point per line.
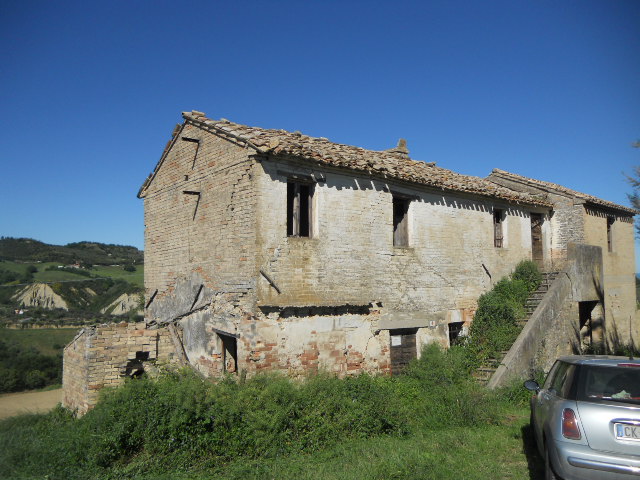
x=579, y=462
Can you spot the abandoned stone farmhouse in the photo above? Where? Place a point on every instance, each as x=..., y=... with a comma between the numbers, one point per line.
x=272, y=250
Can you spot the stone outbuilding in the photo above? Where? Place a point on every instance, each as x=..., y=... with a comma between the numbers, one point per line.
x=273, y=250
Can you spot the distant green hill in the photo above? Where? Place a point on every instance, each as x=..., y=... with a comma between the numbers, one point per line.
x=88, y=253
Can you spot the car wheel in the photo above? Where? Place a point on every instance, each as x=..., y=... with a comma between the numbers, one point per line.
x=548, y=471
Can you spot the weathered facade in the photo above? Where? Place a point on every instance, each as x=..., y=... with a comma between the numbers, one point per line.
x=105, y=355
x=583, y=219
x=272, y=250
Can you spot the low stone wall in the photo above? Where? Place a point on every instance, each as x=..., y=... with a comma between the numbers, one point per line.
x=104, y=355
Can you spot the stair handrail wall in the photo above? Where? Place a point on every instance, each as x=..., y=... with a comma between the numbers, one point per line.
x=553, y=328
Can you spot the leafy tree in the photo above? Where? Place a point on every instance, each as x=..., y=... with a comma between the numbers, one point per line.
x=634, y=197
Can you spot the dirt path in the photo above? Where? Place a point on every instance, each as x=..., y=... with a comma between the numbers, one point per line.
x=31, y=402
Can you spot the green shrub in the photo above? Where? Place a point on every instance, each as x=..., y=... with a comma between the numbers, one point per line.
x=529, y=273
x=181, y=422
x=25, y=368
x=494, y=327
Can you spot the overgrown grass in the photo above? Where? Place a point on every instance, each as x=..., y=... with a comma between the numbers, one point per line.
x=494, y=327
x=182, y=424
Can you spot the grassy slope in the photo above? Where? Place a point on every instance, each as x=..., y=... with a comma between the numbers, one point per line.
x=137, y=277
x=434, y=422
x=42, y=339
x=503, y=451
x=496, y=451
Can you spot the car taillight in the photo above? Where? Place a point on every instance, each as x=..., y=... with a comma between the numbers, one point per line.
x=570, y=427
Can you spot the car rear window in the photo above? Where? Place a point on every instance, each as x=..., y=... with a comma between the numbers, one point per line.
x=600, y=384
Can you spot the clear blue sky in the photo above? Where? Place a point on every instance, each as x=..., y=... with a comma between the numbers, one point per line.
x=90, y=92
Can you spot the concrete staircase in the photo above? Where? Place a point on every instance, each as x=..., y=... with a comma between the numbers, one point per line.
x=484, y=373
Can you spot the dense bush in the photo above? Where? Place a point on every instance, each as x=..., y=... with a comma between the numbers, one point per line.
x=7, y=276
x=25, y=368
x=529, y=273
x=494, y=327
x=182, y=422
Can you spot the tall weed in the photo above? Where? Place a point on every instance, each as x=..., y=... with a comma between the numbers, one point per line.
x=180, y=422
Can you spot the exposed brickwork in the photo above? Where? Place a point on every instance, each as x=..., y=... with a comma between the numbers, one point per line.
x=249, y=297
x=105, y=355
x=211, y=234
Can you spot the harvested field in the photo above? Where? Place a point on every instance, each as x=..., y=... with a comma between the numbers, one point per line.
x=12, y=404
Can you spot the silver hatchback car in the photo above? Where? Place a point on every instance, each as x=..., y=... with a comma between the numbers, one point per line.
x=586, y=418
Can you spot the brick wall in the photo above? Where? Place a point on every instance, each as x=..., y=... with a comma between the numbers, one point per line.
x=450, y=261
x=105, y=355
x=193, y=240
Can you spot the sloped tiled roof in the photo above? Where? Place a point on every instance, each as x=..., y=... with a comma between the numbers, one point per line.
x=554, y=187
x=393, y=163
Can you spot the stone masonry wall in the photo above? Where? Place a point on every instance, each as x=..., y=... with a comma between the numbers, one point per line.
x=619, y=273
x=351, y=260
x=566, y=222
x=199, y=244
x=105, y=355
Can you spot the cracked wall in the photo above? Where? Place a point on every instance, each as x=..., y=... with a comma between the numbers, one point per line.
x=199, y=225
x=350, y=259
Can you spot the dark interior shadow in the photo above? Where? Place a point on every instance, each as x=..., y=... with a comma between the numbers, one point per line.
x=534, y=461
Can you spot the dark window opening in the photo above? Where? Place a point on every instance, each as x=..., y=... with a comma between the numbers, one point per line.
x=299, y=204
x=455, y=332
x=229, y=353
x=400, y=222
x=403, y=348
x=135, y=367
x=610, y=221
x=497, y=228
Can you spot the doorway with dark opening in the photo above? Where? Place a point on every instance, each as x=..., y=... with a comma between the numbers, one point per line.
x=536, y=239
x=588, y=325
x=455, y=332
x=229, y=352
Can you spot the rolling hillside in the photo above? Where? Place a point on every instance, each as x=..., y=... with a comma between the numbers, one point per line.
x=88, y=253
x=75, y=282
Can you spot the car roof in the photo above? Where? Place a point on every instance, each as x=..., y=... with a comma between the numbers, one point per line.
x=602, y=360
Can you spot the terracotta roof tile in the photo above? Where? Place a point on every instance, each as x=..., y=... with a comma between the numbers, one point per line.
x=393, y=163
x=561, y=190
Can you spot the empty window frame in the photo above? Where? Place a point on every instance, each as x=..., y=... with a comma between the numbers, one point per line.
x=299, y=206
x=498, y=217
x=455, y=332
x=610, y=221
x=400, y=221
